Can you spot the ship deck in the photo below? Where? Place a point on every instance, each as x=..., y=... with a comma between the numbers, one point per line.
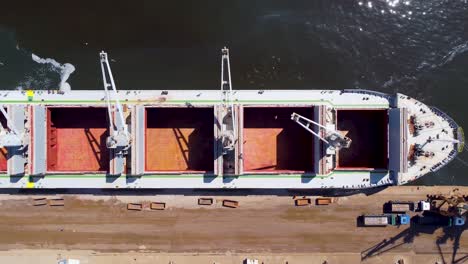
x=176, y=143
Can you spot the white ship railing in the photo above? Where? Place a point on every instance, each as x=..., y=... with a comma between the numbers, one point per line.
x=369, y=92
x=457, y=132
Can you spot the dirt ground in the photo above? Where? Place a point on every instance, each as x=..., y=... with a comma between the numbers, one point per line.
x=99, y=229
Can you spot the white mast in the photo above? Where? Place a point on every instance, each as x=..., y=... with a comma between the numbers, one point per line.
x=119, y=135
x=228, y=131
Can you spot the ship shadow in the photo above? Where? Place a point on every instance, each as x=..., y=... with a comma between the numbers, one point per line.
x=189, y=192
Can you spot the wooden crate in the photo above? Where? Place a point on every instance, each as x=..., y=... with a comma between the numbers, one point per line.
x=157, y=206
x=135, y=206
x=302, y=201
x=230, y=203
x=56, y=202
x=39, y=201
x=323, y=201
x=205, y=201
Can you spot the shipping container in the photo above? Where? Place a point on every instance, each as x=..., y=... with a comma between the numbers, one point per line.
x=376, y=220
x=401, y=207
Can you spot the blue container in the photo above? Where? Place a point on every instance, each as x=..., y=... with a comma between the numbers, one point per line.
x=404, y=219
x=458, y=221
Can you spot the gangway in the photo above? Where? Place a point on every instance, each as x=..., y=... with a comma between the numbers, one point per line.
x=335, y=139
x=119, y=139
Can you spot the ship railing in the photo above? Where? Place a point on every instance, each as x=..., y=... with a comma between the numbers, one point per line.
x=369, y=92
x=438, y=112
x=445, y=161
x=457, y=130
x=458, y=134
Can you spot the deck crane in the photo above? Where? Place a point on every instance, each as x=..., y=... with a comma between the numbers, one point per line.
x=454, y=204
x=15, y=138
x=335, y=139
x=228, y=127
x=9, y=136
x=227, y=136
x=119, y=139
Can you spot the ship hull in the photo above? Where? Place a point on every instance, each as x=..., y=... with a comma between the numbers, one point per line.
x=175, y=140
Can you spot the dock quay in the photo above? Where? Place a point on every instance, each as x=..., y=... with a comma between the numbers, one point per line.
x=91, y=225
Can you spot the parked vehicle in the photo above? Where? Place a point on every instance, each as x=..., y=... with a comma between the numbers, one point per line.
x=407, y=206
x=386, y=219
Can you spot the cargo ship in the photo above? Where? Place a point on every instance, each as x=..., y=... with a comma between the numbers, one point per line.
x=225, y=138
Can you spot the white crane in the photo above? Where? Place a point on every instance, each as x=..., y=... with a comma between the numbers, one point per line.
x=228, y=130
x=119, y=136
x=9, y=136
x=335, y=139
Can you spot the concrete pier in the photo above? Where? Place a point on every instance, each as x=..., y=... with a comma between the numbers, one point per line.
x=267, y=226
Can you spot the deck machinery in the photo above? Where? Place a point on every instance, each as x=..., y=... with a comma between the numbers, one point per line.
x=222, y=138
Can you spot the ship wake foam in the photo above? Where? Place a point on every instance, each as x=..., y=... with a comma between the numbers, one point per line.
x=65, y=70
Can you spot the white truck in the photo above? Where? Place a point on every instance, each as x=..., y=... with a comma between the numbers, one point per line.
x=406, y=206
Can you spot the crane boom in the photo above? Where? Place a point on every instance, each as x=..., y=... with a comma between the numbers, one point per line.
x=105, y=67
x=119, y=140
x=119, y=135
x=228, y=131
x=333, y=138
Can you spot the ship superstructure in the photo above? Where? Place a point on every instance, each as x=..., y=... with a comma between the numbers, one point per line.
x=222, y=138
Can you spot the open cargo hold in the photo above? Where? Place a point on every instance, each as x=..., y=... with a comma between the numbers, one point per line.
x=135, y=206
x=274, y=143
x=76, y=139
x=205, y=201
x=368, y=130
x=323, y=201
x=230, y=203
x=57, y=202
x=3, y=151
x=39, y=201
x=302, y=201
x=157, y=206
x=179, y=139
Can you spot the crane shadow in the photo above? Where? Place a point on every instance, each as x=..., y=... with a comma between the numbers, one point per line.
x=98, y=147
x=454, y=234
x=183, y=144
x=408, y=235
